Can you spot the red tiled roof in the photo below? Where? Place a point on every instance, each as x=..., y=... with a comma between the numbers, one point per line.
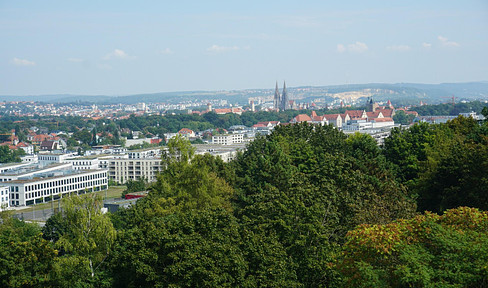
x=185, y=131
x=373, y=114
x=385, y=112
x=386, y=119
x=303, y=118
x=331, y=116
x=223, y=111
x=355, y=113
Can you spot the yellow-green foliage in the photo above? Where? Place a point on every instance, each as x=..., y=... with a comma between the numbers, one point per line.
x=428, y=250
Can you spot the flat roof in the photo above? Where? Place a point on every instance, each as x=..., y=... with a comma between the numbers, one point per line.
x=144, y=150
x=31, y=168
x=51, y=175
x=89, y=157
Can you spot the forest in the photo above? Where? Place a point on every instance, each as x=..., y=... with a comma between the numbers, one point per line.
x=306, y=206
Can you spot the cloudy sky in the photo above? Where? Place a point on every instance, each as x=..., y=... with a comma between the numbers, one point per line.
x=126, y=47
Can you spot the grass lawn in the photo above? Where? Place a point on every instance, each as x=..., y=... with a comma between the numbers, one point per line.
x=111, y=192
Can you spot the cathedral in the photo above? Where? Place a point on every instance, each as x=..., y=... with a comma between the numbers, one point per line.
x=281, y=102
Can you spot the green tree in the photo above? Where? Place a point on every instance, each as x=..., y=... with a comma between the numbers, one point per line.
x=7, y=155
x=184, y=249
x=403, y=118
x=26, y=260
x=87, y=242
x=308, y=186
x=427, y=251
x=84, y=136
x=135, y=186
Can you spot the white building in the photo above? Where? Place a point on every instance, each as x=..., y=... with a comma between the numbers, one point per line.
x=11, y=166
x=84, y=163
x=48, y=158
x=29, y=158
x=228, y=139
x=144, y=153
x=4, y=198
x=30, y=170
x=47, y=186
x=122, y=170
x=356, y=125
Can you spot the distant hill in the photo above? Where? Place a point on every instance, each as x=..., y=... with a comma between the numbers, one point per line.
x=399, y=93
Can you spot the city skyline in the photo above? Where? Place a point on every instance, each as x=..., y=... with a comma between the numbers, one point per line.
x=116, y=48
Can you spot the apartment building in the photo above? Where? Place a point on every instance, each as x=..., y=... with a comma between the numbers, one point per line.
x=228, y=139
x=4, y=198
x=48, y=185
x=122, y=170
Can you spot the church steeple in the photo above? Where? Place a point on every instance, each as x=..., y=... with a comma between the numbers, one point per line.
x=277, y=98
x=284, y=98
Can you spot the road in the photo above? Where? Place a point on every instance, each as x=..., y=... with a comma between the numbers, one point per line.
x=29, y=214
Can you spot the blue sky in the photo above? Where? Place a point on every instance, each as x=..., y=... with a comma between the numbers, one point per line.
x=127, y=47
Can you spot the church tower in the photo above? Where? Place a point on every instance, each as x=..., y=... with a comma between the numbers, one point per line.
x=277, y=98
x=284, y=99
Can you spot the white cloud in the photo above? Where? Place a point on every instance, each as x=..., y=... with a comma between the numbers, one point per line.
x=75, y=60
x=357, y=47
x=399, y=48
x=23, y=62
x=427, y=45
x=446, y=43
x=341, y=48
x=219, y=49
x=117, y=53
x=166, y=51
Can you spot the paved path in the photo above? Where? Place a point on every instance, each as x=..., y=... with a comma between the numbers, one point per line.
x=41, y=215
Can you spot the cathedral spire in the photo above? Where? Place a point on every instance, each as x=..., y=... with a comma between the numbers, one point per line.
x=284, y=98
x=277, y=98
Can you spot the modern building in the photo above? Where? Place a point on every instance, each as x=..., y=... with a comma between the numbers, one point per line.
x=145, y=153
x=50, y=184
x=226, y=153
x=85, y=163
x=4, y=198
x=49, y=158
x=122, y=170
x=30, y=170
x=228, y=139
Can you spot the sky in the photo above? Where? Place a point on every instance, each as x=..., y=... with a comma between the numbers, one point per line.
x=131, y=47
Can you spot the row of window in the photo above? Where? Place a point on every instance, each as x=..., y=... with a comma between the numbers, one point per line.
x=64, y=182
x=65, y=189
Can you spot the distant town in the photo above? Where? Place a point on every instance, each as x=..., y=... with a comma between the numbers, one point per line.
x=87, y=157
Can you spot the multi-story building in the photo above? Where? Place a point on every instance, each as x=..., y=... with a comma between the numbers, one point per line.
x=48, y=158
x=84, y=163
x=51, y=185
x=145, y=153
x=30, y=170
x=4, y=198
x=122, y=170
x=228, y=139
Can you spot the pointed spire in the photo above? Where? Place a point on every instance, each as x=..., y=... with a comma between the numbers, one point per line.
x=284, y=98
x=277, y=98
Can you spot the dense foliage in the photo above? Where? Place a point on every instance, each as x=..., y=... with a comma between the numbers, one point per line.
x=429, y=250
x=306, y=206
x=7, y=155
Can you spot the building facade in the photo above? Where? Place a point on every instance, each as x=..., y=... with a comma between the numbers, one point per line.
x=4, y=198
x=228, y=139
x=122, y=170
x=39, y=189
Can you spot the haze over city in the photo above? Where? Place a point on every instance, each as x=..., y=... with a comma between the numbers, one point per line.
x=120, y=48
